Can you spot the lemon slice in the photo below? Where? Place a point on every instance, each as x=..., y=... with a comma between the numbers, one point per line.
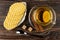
x=15, y=15
x=46, y=16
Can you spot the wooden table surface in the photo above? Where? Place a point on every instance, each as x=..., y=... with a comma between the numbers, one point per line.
x=11, y=35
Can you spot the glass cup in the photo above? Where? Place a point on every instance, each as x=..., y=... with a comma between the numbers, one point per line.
x=42, y=19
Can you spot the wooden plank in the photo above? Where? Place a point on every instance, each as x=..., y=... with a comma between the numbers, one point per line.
x=11, y=35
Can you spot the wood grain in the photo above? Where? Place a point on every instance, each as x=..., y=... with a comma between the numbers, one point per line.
x=11, y=35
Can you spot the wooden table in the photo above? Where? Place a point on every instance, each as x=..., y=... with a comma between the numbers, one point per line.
x=11, y=35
